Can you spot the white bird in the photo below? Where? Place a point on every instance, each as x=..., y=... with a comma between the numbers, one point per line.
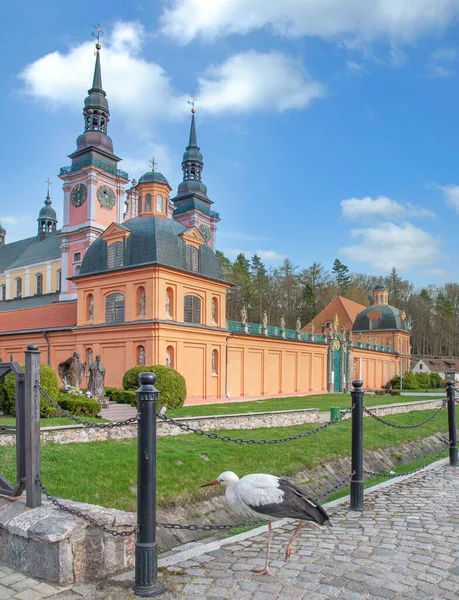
x=271, y=497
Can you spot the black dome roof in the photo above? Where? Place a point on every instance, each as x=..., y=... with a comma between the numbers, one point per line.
x=391, y=318
x=153, y=240
x=153, y=176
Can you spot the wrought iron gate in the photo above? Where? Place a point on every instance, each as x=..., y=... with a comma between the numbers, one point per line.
x=337, y=369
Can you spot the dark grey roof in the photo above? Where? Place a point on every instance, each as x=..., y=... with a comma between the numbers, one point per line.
x=153, y=240
x=391, y=318
x=153, y=176
x=29, y=302
x=381, y=287
x=29, y=251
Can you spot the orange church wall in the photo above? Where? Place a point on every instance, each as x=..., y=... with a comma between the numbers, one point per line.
x=374, y=368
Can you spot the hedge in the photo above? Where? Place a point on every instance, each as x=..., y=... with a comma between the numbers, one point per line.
x=48, y=381
x=170, y=383
x=78, y=405
x=121, y=396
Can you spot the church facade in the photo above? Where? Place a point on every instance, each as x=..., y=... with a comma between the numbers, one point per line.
x=132, y=276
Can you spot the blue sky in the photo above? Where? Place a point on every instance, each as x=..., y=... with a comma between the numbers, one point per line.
x=329, y=128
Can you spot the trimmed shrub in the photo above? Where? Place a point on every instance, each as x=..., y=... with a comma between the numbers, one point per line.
x=409, y=381
x=48, y=381
x=122, y=396
x=423, y=380
x=78, y=405
x=395, y=392
x=380, y=392
x=436, y=380
x=170, y=383
x=395, y=382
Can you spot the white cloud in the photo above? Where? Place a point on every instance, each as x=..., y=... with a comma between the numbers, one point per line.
x=355, y=67
x=255, y=80
x=388, y=245
x=15, y=220
x=451, y=195
x=138, y=164
x=135, y=88
x=400, y=20
x=440, y=63
x=441, y=273
x=267, y=255
x=381, y=207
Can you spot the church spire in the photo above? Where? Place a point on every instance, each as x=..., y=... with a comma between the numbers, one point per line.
x=192, y=164
x=96, y=113
x=97, y=79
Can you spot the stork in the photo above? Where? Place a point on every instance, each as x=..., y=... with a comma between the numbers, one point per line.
x=271, y=497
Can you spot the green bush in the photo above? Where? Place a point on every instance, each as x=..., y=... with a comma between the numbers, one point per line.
x=48, y=381
x=422, y=380
x=78, y=405
x=395, y=382
x=121, y=396
x=380, y=392
x=170, y=383
x=409, y=381
x=436, y=381
x=395, y=392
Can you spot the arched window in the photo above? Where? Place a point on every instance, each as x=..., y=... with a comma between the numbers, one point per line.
x=140, y=355
x=192, y=258
x=373, y=323
x=169, y=309
x=90, y=308
x=2, y=293
x=58, y=280
x=147, y=202
x=18, y=287
x=89, y=358
x=141, y=302
x=38, y=284
x=403, y=347
x=170, y=357
x=114, y=308
x=214, y=362
x=159, y=203
x=139, y=205
x=115, y=254
x=214, y=308
x=192, y=312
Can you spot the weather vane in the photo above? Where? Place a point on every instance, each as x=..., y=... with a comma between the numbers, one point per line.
x=49, y=182
x=153, y=163
x=97, y=35
x=192, y=102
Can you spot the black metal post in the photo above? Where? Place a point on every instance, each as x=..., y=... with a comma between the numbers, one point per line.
x=451, y=395
x=146, y=547
x=357, y=447
x=32, y=425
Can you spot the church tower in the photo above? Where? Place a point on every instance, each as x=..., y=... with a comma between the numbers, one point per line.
x=93, y=184
x=192, y=206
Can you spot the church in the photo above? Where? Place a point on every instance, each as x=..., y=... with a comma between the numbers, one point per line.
x=132, y=275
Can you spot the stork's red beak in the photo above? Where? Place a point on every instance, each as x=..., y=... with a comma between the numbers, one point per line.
x=213, y=482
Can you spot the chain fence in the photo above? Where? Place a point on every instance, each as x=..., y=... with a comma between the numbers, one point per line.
x=389, y=424
x=394, y=474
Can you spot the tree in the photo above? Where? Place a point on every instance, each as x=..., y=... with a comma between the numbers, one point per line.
x=260, y=280
x=341, y=276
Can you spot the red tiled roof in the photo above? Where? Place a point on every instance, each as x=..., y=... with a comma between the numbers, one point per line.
x=49, y=316
x=347, y=311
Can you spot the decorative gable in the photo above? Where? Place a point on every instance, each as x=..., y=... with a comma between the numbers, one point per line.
x=115, y=233
x=374, y=314
x=193, y=237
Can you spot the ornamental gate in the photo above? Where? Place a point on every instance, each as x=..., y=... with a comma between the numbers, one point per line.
x=337, y=367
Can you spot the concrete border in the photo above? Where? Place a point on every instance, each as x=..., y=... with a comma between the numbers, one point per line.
x=200, y=548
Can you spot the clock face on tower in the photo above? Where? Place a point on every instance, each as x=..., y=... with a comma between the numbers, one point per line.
x=79, y=194
x=106, y=196
x=205, y=232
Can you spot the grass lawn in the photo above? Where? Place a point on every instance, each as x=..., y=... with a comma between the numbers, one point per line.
x=321, y=401
x=53, y=421
x=105, y=472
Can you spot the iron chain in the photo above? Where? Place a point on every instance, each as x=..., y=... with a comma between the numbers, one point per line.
x=226, y=438
x=82, y=515
x=393, y=474
x=81, y=421
x=402, y=426
x=337, y=487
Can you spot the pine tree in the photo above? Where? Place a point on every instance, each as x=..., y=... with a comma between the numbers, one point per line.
x=342, y=276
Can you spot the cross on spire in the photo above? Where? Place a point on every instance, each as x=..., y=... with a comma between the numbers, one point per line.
x=192, y=102
x=97, y=35
x=153, y=163
x=49, y=182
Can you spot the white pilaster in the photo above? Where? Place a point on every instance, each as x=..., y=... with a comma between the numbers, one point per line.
x=8, y=283
x=49, y=288
x=66, y=188
x=92, y=198
x=27, y=283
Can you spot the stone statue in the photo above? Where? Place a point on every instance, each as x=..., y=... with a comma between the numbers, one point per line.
x=214, y=372
x=168, y=359
x=244, y=315
x=265, y=320
x=282, y=323
x=142, y=304
x=388, y=342
x=71, y=371
x=96, y=379
x=369, y=338
x=360, y=337
x=141, y=359
x=168, y=305
x=89, y=361
x=343, y=332
x=91, y=308
x=336, y=322
x=298, y=326
x=375, y=341
x=312, y=327
x=212, y=307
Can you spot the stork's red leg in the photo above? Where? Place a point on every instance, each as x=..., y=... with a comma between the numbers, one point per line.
x=289, y=546
x=265, y=571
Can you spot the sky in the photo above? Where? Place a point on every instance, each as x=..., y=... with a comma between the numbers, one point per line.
x=329, y=128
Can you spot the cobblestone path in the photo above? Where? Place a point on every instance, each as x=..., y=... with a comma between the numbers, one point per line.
x=405, y=545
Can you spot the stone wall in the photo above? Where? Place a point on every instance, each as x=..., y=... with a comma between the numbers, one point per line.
x=400, y=407
x=68, y=434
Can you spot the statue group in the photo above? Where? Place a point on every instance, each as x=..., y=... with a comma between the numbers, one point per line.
x=72, y=372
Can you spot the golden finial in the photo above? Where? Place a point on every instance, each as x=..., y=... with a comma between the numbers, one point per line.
x=97, y=35
x=153, y=164
x=192, y=102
